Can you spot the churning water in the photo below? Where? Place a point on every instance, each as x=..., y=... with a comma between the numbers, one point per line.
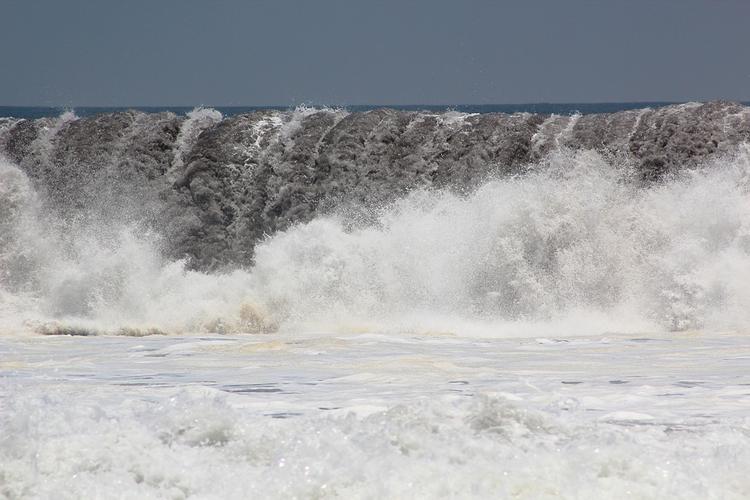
x=575, y=242
x=567, y=330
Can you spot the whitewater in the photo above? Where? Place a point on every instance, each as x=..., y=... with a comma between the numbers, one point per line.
x=318, y=303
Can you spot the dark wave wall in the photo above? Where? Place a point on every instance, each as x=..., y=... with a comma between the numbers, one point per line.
x=214, y=186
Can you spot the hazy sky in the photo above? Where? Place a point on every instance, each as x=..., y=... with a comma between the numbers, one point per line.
x=255, y=52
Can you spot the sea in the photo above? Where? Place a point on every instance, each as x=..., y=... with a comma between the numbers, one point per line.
x=569, y=329
x=32, y=112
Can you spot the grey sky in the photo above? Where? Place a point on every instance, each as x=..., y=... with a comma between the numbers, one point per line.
x=233, y=52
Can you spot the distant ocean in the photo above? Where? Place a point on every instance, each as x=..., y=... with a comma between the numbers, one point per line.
x=31, y=112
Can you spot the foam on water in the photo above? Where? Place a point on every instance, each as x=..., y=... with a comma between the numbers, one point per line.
x=575, y=241
x=369, y=416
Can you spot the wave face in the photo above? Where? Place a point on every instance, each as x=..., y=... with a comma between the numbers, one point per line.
x=316, y=218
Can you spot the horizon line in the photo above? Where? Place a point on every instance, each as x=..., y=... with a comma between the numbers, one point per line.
x=375, y=105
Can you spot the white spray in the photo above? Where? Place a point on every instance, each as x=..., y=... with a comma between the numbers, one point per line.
x=572, y=247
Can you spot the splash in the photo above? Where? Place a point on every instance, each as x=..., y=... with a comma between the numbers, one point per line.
x=573, y=245
x=72, y=277
x=198, y=120
x=576, y=245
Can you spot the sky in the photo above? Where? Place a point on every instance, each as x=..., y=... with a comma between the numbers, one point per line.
x=339, y=52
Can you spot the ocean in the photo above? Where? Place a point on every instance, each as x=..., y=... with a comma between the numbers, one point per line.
x=542, y=301
x=33, y=112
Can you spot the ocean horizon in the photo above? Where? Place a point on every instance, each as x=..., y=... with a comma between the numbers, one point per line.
x=562, y=108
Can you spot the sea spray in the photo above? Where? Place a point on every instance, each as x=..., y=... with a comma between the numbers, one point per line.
x=575, y=236
x=198, y=120
x=577, y=241
x=213, y=187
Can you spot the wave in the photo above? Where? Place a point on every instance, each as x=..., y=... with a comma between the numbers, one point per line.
x=215, y=186
x=574, y=244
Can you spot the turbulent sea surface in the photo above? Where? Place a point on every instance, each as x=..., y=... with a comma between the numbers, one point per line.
x=329, y=303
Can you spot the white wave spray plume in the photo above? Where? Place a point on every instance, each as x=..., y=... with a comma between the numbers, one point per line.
x=576, y=243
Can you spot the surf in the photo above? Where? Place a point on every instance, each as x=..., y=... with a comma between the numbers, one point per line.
x=576, y=241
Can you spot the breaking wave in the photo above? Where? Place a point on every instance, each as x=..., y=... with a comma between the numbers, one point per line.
x=577, y=244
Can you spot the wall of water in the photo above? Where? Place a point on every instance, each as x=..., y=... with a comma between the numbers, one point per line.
x=312, y=219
